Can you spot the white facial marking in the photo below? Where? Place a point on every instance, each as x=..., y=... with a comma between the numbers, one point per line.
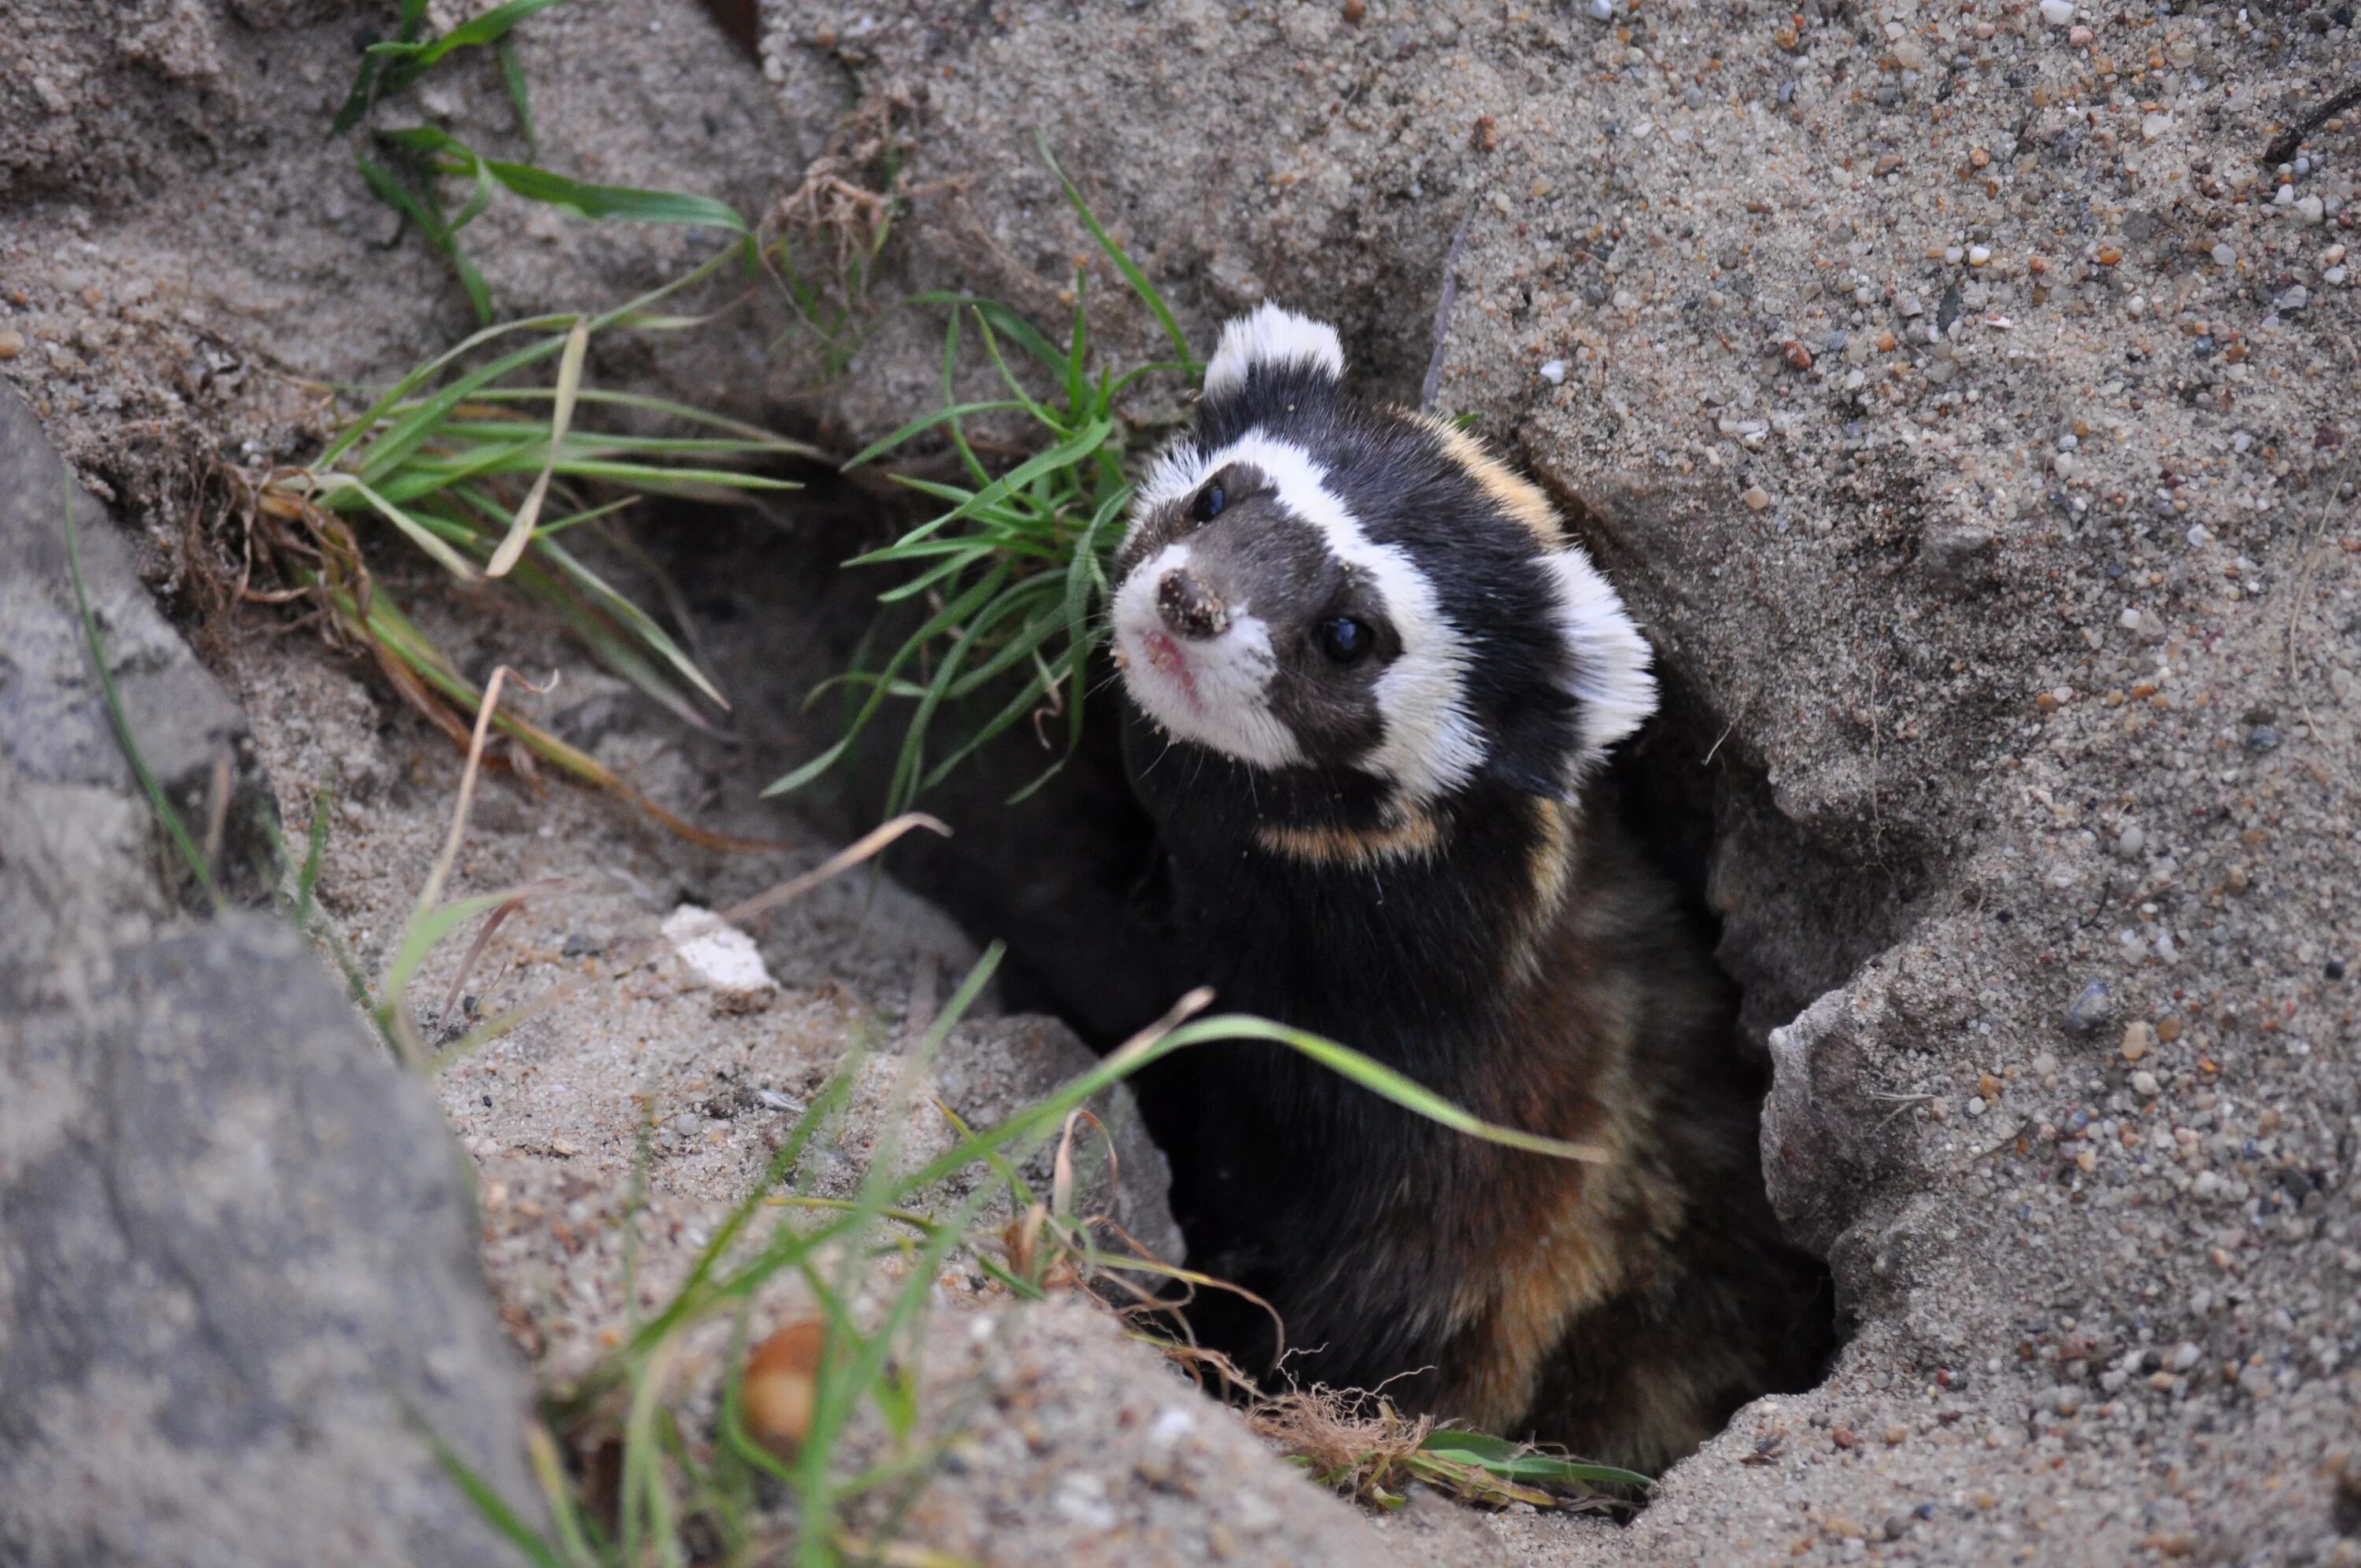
x=1611, y=675
x=1213, y=690
x=1272, y=336
x=1430, y=743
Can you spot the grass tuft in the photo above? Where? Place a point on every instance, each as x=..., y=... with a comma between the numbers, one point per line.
x=498, y=480
x=1010, y=580
x=1356, y=1442
x=676, y=1484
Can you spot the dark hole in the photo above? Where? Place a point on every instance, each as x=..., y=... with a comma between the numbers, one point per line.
x=1070, y=879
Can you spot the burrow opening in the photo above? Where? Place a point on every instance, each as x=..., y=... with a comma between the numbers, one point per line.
x=1069, y=878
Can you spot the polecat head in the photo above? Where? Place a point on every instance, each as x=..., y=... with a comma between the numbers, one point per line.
x=1309, y=582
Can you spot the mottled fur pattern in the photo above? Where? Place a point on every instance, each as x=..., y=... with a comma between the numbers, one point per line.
x=1475, y=921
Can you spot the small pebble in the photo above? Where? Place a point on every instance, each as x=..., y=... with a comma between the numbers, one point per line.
x=2057, y=12
x=1756, y=497
x=2225, y=257
x=2145, y=1085
x=2311, y=210
x=1979, y=255
x=2090, y=1008
x=2186, y=1356
x=2130, y=842
x=12, y=343
x=1554, y=372
x=2139, y=1040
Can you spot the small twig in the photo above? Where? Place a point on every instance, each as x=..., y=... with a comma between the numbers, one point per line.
x=1443, y=301
x=2283, y=148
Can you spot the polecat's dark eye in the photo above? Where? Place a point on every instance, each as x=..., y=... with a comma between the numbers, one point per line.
x=1344, y=640
x=1208, y=504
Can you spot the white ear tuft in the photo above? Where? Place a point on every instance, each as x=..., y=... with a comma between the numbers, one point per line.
x=1274, y=337
x=1610, y=676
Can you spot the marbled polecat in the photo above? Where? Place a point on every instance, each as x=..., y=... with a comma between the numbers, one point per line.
x=1370, y=683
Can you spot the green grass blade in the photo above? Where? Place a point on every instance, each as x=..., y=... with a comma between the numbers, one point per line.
x=487, y=1500
x=389, y=188
x=876, y=449
x=627, y=203
x=633, y=618
x=1123, y=262
x=406, y=63
x=520, y=95
x=158, y=801
x=335, y=486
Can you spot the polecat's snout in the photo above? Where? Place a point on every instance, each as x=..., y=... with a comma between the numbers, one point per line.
x=1188, y=608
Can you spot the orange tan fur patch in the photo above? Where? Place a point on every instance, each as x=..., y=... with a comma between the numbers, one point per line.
x=1577, y=1255
x=1416, y=837
x=1519, y=498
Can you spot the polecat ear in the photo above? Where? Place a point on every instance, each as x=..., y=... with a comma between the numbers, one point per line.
x=1276, y=339
x=1607, y=664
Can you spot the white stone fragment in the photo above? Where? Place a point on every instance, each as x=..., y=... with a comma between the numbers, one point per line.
x=721, y=958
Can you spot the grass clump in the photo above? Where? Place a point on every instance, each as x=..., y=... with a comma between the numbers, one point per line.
x=794, y=1439
x=498, y=480
x=1355, y=1442
x=1012, y=575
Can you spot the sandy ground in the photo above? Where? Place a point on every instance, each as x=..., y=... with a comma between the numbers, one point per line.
x=1962, y=409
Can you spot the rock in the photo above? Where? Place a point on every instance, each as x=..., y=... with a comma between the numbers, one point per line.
x=720, y=957
x=1819, y=1144
x=235, y=1247
x=52, y=726
x=1956, y=555
x=64, y=778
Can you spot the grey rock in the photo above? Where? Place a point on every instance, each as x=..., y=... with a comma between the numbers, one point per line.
x=1957, y=556
x=65, y=779
x=52, y=726
x=237, y=1270
x=237, y=1261
x=1820, y=1140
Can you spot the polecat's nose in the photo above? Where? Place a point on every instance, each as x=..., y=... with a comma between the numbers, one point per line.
x=1188, y=608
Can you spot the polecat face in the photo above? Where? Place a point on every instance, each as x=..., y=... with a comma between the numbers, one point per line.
x=1308, y=582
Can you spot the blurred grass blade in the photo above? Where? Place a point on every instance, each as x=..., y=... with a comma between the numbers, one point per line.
x=158, y=801
x=487, y=1500
x=561, y=418
x=1515, y=1462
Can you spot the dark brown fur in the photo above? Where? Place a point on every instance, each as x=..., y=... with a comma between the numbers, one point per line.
x=1506, y=947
